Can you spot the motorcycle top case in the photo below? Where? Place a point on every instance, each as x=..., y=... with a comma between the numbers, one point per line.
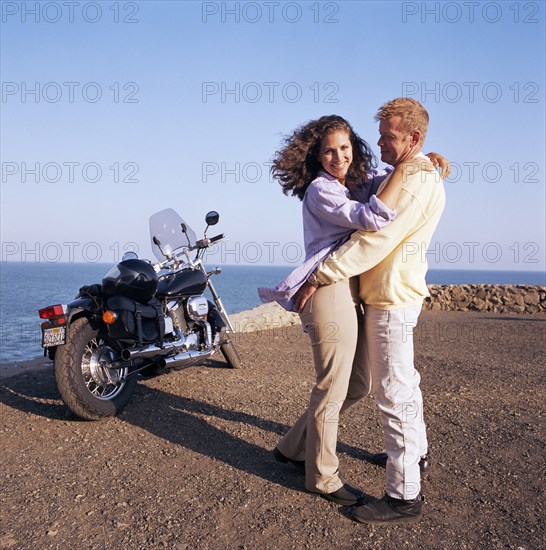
x=136, y=322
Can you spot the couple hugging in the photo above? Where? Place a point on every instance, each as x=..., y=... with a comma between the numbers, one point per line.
x=358, y=276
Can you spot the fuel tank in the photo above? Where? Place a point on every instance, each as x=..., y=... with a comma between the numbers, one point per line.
x=183, y=283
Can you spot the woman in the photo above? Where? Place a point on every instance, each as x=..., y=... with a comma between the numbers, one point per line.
x=334, y=184
x=329, y=167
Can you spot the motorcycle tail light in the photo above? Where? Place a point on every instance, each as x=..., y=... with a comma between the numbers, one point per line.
x=51, y=312
x=109, y=317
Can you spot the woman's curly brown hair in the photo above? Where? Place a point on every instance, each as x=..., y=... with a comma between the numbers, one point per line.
x=296, y=165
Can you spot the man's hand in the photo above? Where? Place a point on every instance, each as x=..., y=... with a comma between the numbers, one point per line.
x=440, y=162
x=302, y=295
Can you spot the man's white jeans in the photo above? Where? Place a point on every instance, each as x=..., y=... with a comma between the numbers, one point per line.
x=395, y=386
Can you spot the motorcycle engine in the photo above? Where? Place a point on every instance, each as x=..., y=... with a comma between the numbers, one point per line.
x=176, y=312
x=197, y=308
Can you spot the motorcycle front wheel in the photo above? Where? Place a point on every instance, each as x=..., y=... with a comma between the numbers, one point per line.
x=230, y=355
x=88, y=387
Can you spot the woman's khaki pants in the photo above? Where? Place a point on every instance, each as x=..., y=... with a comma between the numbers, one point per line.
x=333, y=318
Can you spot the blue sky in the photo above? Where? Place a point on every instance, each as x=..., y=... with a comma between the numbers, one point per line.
x=112, y=111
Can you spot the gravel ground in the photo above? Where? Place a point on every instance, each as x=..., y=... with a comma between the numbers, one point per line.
x=187, y=463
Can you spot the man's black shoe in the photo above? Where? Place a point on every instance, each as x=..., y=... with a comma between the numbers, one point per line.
x=380, y=459
x=389, y=511
x=345, y=496
x=298, y=464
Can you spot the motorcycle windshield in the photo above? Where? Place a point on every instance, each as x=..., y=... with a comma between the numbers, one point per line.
x=167, y=227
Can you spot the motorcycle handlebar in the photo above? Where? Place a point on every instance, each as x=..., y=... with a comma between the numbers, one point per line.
x=199, y=245
x=206, y=242
x=217, y=238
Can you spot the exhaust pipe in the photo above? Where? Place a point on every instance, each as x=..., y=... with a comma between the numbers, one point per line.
x=186, y=359
x=168, y=347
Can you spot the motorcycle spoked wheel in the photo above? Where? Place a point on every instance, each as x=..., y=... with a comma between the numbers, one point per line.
x=230, y=355
x=87, y=386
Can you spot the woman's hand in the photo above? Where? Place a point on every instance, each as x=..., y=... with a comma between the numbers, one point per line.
x=413, y=165
x=440, y=162
x=302, y=295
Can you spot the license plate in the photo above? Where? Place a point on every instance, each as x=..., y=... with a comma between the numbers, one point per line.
x=55, y=336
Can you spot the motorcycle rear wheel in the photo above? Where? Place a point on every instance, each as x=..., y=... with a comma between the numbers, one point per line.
x=231, y=355
x=87, y=386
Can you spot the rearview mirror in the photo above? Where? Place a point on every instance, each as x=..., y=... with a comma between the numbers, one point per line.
x=212, y=218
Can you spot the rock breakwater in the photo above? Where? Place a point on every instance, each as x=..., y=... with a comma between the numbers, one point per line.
x=492, y=298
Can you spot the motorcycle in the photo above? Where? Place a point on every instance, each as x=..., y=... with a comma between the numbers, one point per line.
x=144, y=319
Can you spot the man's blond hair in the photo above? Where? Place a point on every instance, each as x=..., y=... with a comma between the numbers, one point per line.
x=414, y=116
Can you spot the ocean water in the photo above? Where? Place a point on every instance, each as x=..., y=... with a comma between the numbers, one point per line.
x=27, y=287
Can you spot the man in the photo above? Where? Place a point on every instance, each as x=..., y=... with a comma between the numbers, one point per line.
x=392, y=286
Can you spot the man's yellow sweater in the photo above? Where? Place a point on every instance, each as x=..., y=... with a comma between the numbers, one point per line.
x=392, y=262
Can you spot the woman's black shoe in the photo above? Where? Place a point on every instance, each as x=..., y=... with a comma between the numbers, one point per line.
x=345, y=496
x=298, y=464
